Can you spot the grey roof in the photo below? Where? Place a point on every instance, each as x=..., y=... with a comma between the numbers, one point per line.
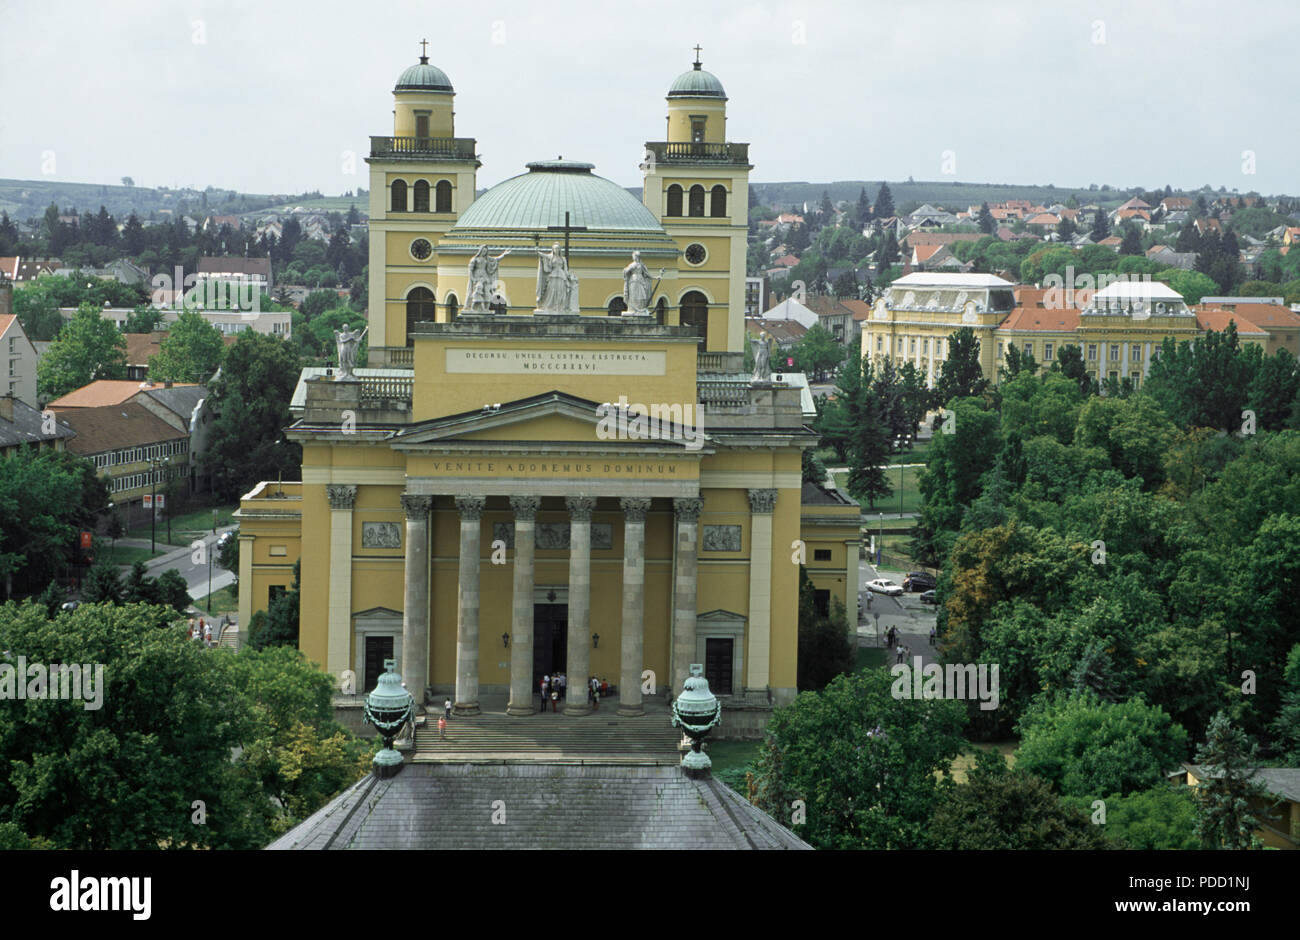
x=696, y=83
x=539, y=198
x=423, y=77
x=184, y=400
x=25, y=428
x=546, y=806
x=1282, y=782
x=814, y=495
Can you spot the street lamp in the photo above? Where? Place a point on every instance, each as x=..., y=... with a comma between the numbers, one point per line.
x=154, y=464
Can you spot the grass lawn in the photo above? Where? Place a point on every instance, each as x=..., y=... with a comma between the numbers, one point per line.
x=731, y=760
x=189, y=526
x=964, y=762
x=920, y=453
x=127, y=555
x=911, y=500
x=869, y=657
x=224, y=601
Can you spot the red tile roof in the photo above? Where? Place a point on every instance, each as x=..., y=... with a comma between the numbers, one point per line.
x=1218, y=321
x=103, y=392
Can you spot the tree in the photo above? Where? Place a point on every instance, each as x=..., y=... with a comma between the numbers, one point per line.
x=145, y=319
x=846, y=285
x=863, y=762
x=961, y=375
x=1163, y=817
x=985, y=220
x=824, y=650
x=139, y=588
x=102, y=585
x=228, y=549
x=1100, y=226
x=817, y=352
x=868, y=447
x=1069, y=361
x=190, y=352
x=1017, y=361
x=1084, y=746
x=280, y=627
x=998, y=808
x=1066, y=229
x=1132, y=241
x=1227, y=759
x=1286, y=727
x=172, y=590
x=884, y=208
x=88, y=348
x=251, y=402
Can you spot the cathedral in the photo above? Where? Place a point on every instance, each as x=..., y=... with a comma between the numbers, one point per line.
x=553, y=458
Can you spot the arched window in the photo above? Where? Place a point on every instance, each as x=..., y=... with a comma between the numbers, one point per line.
x=674, y=200
x=419, y=308
x=399, y=195
x=443, y=196
x=661, y=310
x=421, y=196
x=453, y=306
x=718, y=201
x=617, y=306
x=696, y=206
x=695, y=311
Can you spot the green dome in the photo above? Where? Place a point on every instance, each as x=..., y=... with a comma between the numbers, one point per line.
x=540, y=197
x=424, y=77
x=697, y=83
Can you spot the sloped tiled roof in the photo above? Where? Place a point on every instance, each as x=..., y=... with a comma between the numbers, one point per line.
x=116, y=426
x=26, y=427
x=1039, y=319
x=1218, y=321
x=104, y=392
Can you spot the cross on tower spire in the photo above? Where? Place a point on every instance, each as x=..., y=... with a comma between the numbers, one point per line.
x=424, y=58
x=697, y=57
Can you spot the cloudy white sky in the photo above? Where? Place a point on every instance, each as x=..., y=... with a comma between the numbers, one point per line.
x=267, y=97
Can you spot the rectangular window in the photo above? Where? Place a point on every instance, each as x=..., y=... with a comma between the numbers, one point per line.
x=821, y=554
x=421, y=124
x=900, y=344
x=1092, y=351
x=697, y=128
x=1114, y=376
x=925, y=346
x=999, y=349
x=1136, y=352
x=13, y=344
x=1029, y=348
x=1114, y=352
x=880, y=342
x=1047, y=351
x=912, y=347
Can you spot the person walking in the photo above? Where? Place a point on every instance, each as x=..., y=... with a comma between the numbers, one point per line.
x=595, y=698
x=442, y=727
x=542, y=689
x=932, y=636
x=555, y=701
x=446, y=707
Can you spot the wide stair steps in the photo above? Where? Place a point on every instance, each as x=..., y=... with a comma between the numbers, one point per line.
x=551, y=738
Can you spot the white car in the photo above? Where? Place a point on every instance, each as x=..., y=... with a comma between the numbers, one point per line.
x=885, y=586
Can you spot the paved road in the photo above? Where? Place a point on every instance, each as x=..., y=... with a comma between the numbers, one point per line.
x=182, y=559
x=912, y=618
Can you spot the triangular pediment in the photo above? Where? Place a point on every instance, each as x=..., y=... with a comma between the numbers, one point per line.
x=556, y=418
x=720, y=616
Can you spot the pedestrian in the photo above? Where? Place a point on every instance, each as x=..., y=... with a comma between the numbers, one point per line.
x=542, y=689
x=207, y=635
x=555, y=701
x=932, y=636
x=907, y=653
x=898, y=651
x=442, y=727
x=595, y=698
x=446, y=707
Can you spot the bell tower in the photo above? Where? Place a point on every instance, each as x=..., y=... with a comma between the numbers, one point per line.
x=421, y=179
x=696, y=183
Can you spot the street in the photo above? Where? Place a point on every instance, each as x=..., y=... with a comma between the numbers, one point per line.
x=912, y=618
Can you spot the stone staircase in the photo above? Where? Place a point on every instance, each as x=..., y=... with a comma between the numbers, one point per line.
x=599, y=738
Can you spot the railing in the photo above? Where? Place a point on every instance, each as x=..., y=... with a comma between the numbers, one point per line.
x=401, y=357
x=423, y=148
x=709, y=362
x=694, y=152
x=382, y=390
x=724, y=394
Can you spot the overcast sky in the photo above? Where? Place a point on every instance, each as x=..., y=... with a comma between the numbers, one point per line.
x=267, y=97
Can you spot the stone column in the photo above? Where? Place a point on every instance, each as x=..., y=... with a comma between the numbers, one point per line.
x=521, y=618
x=579, y=665
x=758, y=668
x=633, y=639
x=685, y=588
x=415, y=608
x=338, y=651
x=467, y=605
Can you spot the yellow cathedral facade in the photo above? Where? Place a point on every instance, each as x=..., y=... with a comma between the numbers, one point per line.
x=553, y=459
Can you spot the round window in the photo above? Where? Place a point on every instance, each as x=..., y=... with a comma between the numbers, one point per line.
x=421, y=249
x=695, y=253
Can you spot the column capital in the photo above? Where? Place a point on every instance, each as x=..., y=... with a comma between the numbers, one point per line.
x=417, y=507
x=762, y=501
x=688, y=508
x=580, y=507
x=634, y=507
x=525, y=507
x=341, y=495
x=471, y=507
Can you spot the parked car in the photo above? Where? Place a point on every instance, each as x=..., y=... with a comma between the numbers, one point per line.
x=919, y=581
x=927, y=597
x=884, y=586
